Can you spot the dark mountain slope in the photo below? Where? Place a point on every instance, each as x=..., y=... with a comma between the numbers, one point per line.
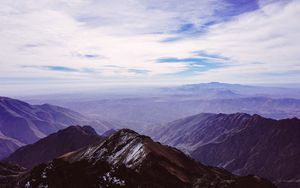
x=265, y=147
x=54, y=145
x=194, y=131
x=240, y=143
x=127, y=159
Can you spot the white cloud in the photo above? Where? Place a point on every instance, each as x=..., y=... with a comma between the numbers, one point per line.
x=127, y=35
x=259, y=43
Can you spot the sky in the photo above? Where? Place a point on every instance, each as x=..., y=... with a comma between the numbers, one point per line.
x=62, y=44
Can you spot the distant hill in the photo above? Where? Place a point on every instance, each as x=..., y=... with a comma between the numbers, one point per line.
x=108, y=133
x=141, y=113
x=146, y=107
x=234, y=90
x=241, y=143
x=54, y=145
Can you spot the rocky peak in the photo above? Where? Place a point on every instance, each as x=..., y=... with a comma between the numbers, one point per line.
x=148, y=163
x=123, y=147
x=76, y=129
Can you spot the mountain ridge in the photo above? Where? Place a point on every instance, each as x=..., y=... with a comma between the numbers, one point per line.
x=22, y=123
x=127, y=159
x=241, y=143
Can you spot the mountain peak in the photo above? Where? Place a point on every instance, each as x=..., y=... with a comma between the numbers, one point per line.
x=126, y=131
x=76, y=128
x=149, y=163
x=54, y=145
x=123, y=147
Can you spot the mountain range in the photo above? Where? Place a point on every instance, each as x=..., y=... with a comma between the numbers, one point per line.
x=140, y=113
x=233, y=90
x=22, y=123
x=139, y=109
x=241, y=143
x=127, y=159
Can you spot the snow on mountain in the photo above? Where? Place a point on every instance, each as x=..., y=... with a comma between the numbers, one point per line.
x=127, y=159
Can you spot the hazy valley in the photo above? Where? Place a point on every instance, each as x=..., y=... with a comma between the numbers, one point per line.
x=222, y=130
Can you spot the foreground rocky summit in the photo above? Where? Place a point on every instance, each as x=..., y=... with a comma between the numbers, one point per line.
x=127, y=159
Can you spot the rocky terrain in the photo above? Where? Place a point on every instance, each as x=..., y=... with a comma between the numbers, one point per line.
x=240, y=143
x=9, y=174
x=127, y=159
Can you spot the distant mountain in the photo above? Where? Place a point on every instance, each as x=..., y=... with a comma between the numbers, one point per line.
x=240, y=143
x=202, y=91
x=143, y=112
x=108, y=133
x=139, y=109
x=127, y=159
x=8, y=145
x=22, y=123
x=235, y=90
x=54, y=145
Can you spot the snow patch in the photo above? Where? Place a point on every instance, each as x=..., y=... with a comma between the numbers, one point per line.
x=224, y=165
x=27, y=185
x=135, y=155
x=110, y=179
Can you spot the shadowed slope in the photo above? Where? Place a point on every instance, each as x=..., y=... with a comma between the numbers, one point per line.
x=54, y=145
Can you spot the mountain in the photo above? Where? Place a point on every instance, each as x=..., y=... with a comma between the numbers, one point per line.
x=9, y=174
x=22, y=123
x=108, y=133
x=139, y=109
x=202, y=91
x=241, y=143
x=235, y=90
x=193, y=131
x=8, y=145
x=127, y=159
x=54, y=145
x=139, y=113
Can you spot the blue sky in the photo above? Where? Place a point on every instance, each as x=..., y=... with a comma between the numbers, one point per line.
x=82, y=42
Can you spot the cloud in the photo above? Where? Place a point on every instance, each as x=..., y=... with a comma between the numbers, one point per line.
x=212, y=40
x=269, y=36
x=60, y=68
x=139, y=71
x=195, y=65
x=88, y=56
